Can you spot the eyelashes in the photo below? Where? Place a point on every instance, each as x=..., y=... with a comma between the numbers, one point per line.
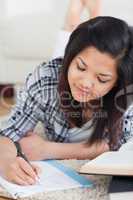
x=83, y=69
x=80, y=68
x=101, y=81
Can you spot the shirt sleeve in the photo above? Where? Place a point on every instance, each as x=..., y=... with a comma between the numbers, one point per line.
x=128, y=124
x=29, y=108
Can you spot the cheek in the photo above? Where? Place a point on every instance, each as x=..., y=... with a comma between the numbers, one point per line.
x=72, y=75
x=69, y=76
x=101, y=91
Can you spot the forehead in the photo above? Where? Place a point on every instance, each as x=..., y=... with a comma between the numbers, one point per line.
x=92, y=57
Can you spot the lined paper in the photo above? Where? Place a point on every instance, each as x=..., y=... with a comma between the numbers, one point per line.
x=54, y=176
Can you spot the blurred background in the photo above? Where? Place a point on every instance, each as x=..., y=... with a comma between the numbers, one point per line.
x=28, y=31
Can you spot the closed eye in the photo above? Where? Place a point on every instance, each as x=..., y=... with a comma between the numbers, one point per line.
x=80, y=68
x=102, y=81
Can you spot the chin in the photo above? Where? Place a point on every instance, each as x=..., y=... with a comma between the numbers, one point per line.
x=81, y=99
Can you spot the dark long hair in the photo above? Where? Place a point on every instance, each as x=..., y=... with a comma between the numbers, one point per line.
x=114, y=37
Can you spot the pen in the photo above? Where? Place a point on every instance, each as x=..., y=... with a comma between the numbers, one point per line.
x=21, y=154
x=26, y=159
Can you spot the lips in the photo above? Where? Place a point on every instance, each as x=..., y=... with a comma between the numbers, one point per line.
x=86, y=92
x=83, y=92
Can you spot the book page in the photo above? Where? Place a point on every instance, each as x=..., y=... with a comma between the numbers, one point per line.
x=54, y=176
x=117, y=162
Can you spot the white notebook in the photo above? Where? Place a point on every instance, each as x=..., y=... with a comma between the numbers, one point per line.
x=54, y=176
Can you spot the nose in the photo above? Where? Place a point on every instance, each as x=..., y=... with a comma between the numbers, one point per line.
x=87, y=85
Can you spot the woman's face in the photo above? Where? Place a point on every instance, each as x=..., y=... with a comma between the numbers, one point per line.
x=91, y=75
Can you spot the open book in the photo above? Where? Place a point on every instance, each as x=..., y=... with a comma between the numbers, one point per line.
x=110, y=163
x=54, y=176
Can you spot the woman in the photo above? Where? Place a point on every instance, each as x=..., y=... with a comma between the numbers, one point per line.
x=75, y=99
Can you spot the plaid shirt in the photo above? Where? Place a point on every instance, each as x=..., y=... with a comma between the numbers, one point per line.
x=39, y=101
x=128, y=125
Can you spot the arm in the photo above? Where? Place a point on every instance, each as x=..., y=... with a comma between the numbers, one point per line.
x=73, y=150
x=23, y=118
x=8, y=154
x=37, y=148
x=13, y=168
x=126, y=141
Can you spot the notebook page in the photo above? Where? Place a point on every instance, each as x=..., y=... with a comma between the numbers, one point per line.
x=54, y=176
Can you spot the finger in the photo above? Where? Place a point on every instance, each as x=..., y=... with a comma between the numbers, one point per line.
x=37, y=169
x=17, y=180
x=25, y=177
x=27, y=168
x=16, y=170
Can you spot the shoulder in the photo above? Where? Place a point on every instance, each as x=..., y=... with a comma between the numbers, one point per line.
x=128, y=123
x=128, y=117
x=44, y=76
x=51, y=68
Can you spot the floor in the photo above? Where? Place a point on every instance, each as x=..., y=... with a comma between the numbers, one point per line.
x=6, y=105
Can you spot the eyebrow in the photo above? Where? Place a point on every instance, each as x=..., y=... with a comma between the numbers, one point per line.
x=101, y=74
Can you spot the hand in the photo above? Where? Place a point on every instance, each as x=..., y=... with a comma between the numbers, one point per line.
x=20, y=172
x=92, y=151
x=33, y=145
x=102, y=147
